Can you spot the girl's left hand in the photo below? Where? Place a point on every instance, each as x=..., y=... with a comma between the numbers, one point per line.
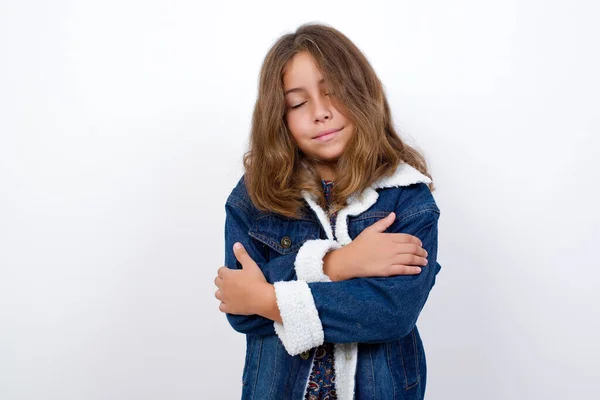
x=240, y=290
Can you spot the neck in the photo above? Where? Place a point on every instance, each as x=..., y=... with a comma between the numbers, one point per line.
x=326, y=171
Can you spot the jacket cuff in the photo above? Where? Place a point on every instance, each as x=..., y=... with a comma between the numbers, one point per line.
x=301, y=329
x=309, y=260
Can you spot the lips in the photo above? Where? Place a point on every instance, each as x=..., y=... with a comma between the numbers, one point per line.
x=327, y=132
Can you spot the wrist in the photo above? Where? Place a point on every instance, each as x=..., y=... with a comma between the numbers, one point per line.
x=335, y=265
x=267, y=303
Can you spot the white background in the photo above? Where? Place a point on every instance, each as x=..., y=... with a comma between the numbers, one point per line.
x=122, y=127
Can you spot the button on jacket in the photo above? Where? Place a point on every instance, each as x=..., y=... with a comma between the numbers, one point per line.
x=378, y=352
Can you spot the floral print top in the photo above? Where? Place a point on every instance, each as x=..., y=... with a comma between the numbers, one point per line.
x=321, y=383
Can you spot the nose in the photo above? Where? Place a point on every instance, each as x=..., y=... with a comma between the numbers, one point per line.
x=322, y=109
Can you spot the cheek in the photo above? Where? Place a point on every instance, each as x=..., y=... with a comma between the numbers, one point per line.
x=296, y=127
x=351, y=131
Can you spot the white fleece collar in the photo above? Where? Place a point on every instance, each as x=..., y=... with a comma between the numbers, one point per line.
x=404, y=175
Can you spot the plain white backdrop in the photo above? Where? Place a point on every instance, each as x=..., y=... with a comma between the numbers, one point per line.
x=122, y=127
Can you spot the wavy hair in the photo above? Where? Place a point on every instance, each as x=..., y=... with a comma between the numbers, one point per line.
x=276, y=170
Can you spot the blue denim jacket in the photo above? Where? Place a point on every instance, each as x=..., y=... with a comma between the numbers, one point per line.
x=378, y=353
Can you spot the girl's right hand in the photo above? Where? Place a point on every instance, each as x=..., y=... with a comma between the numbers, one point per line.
x=375, y=253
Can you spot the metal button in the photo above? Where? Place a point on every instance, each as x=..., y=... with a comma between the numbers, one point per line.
x=304, y=355
x=286, y=242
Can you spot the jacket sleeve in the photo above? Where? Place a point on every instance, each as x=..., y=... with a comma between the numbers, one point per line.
x=364, y=310
x=237, y=223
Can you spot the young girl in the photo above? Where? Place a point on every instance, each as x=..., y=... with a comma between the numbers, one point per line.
x=330, y=235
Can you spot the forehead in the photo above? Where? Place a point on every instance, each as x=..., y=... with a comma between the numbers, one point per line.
x=301, y=72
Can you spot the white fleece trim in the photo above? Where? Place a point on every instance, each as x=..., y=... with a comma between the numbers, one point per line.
x=309, y=260
x=356, y=206
x=321, y=215
x=301, y=329
x=404, y=175
x=345, y=357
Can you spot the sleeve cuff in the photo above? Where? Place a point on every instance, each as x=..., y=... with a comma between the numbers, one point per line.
x=301, y=329
x=309, y=260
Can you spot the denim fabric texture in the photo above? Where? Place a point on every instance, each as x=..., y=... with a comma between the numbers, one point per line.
x=372, y=321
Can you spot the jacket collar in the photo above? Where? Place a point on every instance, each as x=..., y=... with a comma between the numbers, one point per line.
x=404, y=175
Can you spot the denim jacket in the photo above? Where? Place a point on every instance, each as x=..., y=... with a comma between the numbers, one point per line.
x=378, y=352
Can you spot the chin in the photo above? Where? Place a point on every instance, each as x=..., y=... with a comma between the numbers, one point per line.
x=326, y=155
x=329, y=157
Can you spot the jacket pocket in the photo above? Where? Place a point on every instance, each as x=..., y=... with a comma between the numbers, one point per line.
x=282, y=238
x=403, y=360
x=283, y=235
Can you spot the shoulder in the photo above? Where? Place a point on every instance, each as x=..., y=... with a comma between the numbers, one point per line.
x=410, y=200
x=406, y=188
x=239, y=190
x=239, y=196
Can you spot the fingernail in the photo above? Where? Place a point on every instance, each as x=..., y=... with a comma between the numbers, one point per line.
x=237, y=246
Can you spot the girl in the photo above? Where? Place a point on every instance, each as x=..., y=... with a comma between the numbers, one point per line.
x=335, y=232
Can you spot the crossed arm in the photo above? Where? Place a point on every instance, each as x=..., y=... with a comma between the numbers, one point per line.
x=247, y=292
x=364, y=302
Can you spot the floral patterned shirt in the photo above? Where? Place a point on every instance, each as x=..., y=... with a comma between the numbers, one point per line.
x=321, y=383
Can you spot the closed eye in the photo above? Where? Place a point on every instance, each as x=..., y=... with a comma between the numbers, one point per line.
x=300, y=105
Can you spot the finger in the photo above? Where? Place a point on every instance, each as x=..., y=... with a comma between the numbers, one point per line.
x=404, y=270
x=409, y=259
x=222, y=271
x=223, y=307
x=243, y=257
x=405, y=238
x=410, y=248
x=383, y=223
x=240, y=253
x=218, y=281
x=218, y=294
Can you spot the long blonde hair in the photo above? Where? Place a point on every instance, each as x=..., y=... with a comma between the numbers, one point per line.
x=276, y=170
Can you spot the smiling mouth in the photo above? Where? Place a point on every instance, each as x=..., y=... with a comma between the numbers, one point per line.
x=328, y=134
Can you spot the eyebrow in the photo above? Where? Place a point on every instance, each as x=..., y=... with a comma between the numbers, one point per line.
x=300, y=89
